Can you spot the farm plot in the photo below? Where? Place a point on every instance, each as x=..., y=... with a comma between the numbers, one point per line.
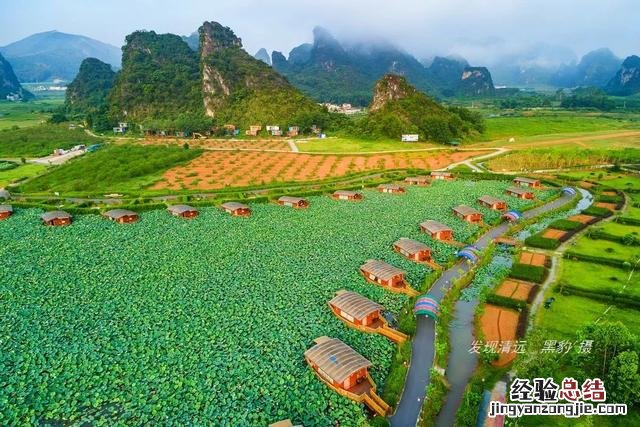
x=223, y=144
x=598, y=278
x=167, y=321
x=214, y=170
x=515, y=289
x=500, y=325
x=605, y=249
x=533, y=258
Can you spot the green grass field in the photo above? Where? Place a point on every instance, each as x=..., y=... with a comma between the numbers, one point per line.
x=26, y=114
x=618, y=180
x=120, y=168
x=599, y=278
x=604, y=248
x=20, y=173
x=41, y=140
x=619, y=229
x=355, y=145
x=569, y=312
x=555, y=122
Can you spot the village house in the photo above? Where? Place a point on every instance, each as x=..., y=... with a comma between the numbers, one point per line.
x=236, y=209
x=492, y=203
x=437, y=230
x=418, y=180
x=468, y=214
x=442, y=175
x=521, y=193
x=347, y=195
x=527, y=182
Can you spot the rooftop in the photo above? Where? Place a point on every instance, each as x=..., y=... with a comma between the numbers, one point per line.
x=355, y=304
x=465, y=210
x=434, y=226
x=381, y=269
x=335, y=358
x=411, y=246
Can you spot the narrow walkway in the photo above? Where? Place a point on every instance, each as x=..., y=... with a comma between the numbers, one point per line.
x=294, y=147
x=423, y=344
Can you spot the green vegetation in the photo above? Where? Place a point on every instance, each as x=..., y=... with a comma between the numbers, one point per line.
x=160, y=78
x=40, y=141
x=588, y=97
x=345, y=144
x=531, y=273
x=113, y=168
x=87, y=93
x=234, y=285
x=597, y=279
x=20, y=173
x=537, y=241
x=554, y=122
x=16, y=115
x=565, y=224
x=398, y=108
x=605, y=249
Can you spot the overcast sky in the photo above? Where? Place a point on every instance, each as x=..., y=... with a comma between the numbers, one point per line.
x=476, y=29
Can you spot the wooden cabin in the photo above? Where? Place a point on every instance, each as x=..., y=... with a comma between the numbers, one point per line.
x=521, y=193
x=527, y=182
x=5, y=211
x=56, y=218
x=236, y=209
x=347, y=195
x=293, y=202
x=418, y=180
x=437, y=230
x=363, y=314
x=183, y=211
x=121, y=216
x=412, y=249
x=442, y=175
x=387, y=276
x=391, y=188
x=493, y=203
x=355, y=308
x=468, y=214
x=345, y=371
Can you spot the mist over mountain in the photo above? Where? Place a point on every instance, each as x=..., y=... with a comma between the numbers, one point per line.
x=263, y=56
x=55, y=55
x=329, y=70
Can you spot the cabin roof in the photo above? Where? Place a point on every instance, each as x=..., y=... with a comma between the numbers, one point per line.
x=355, y=304
x=411, y=246
x=234, y=205
x=490, y=200
x=421, y=178
x=345, y=193
x=465, y=210
x=50, y=216
x=441, y=173
x=518, y=190
x=119, y=213
x=180, y=209
x=527, y=180
x=434, y=226
x=335, y=358
x=5, y=208
x=381, y=269
x=291, y=199
x=390, y=186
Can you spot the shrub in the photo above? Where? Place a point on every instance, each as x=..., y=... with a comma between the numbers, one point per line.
x=566, y=225
x=537, y=241
x=596, y=211
x=531, y=273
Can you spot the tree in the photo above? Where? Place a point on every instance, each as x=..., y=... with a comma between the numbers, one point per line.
x=623, y=381
x=609, y=340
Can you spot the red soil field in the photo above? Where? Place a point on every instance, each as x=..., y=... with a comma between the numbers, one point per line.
x=609, y=193
x=583, y=219
x=218, y=169
x=610, y=206
x=500, y=324
x=532, y=258
x=552, y=233
x=515, y=289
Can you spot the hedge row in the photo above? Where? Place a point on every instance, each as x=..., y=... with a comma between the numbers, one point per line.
x=566, y=225
x=609, y=199
x=596, y=211
x=530, y=273
x=614, y=262
x=537, y=241
x=628, y=221
x=606, y=296
x=627, y=239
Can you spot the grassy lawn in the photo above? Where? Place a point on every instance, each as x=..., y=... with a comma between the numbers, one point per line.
x=604, y=248
x=120, y=168
x=25, y=114
x=617, y=180
x=599, y=278
x=619, y=229
x=554, y=122
x=20, y=173
x=632, y=212
x=354, y=145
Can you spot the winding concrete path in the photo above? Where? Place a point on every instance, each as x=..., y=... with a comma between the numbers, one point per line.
x=423, y=343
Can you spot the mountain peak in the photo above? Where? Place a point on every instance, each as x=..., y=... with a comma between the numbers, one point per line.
x=214, y=37
x=263, y=56
x=390, y=87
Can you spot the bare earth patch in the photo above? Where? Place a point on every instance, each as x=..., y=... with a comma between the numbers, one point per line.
x=515, y=289
x=552, y=233
x=532, y=258
x=500, y=324
x=218, y=169
x=583, y=219
x=610, y=206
